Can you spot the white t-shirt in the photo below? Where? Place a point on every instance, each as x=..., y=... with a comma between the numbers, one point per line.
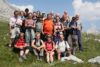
x=62, y=45
x=14, y=22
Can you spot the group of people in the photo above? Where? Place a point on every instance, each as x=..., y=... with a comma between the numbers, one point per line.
x=47, y=35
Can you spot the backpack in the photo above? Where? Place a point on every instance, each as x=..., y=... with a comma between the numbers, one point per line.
x=40, y=42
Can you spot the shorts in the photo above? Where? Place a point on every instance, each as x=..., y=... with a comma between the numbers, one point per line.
x=15, y=32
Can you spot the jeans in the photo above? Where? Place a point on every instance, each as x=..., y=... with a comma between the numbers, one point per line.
x=29, y=35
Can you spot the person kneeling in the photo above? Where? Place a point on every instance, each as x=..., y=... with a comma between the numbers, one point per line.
x=49, y=49
x=20, y=44
x=38, y=47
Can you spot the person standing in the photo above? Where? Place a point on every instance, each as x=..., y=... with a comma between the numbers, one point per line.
x=58, y=28
x=79, y=32
x=48, y=25
x=65, y=20
x=14, y=27
x=29, y=33
x=73, y=38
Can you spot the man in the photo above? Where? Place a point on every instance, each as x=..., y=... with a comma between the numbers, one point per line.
x=26, y=12
x=48, y=26
x=14, y=27
x=79, y=26
x=72, y=38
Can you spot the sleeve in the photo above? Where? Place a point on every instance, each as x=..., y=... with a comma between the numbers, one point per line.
x=67, y=45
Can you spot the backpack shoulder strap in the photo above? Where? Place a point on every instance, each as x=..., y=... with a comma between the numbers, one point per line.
x=65, y=43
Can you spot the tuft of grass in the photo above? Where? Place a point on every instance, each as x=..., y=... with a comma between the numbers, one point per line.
x=8, y=58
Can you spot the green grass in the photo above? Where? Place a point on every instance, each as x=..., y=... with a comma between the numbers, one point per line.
x=10, y=59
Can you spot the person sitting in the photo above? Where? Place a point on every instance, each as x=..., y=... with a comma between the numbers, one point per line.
x=49, y=49
x=61, y=47
x=20, y=44
x=38, y=47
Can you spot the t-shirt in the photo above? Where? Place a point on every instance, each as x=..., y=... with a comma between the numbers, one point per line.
x=20, y=42
x=49, y=46
x=29, y=23
x=38, y=27
x=62, y=45
x=15, y=22
x=48, y=27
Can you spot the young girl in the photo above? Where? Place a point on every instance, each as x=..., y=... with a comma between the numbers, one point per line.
x=49, y=49
x=20, y=44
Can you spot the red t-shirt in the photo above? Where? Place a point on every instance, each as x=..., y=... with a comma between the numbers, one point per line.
x=20, y=42
x=49, y=46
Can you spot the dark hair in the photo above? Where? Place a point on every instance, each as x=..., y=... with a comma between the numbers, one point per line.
x=26, y=10
x=73, y=18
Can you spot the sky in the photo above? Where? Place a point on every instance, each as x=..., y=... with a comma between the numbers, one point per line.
x=89, y=10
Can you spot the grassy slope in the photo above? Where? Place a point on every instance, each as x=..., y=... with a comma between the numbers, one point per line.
x=10, y=59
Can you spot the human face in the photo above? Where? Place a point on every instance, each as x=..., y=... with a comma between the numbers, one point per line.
x=49, y=39
x=61, y=37
x=49, y=16
x=38, y=37
x=30, y=16
x=34, y=14
x=16, y=13
x=21, y=34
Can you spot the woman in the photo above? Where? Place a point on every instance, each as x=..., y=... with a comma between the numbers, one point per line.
x=29, y=33
x=58, y=28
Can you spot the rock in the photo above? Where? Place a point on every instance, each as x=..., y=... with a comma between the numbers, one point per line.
x=6, y=10
x=95, y=60
x=72, y=58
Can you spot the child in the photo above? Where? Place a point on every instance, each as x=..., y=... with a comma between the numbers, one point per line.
x=20, y=44
x=49, y=49
x=38, y=46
